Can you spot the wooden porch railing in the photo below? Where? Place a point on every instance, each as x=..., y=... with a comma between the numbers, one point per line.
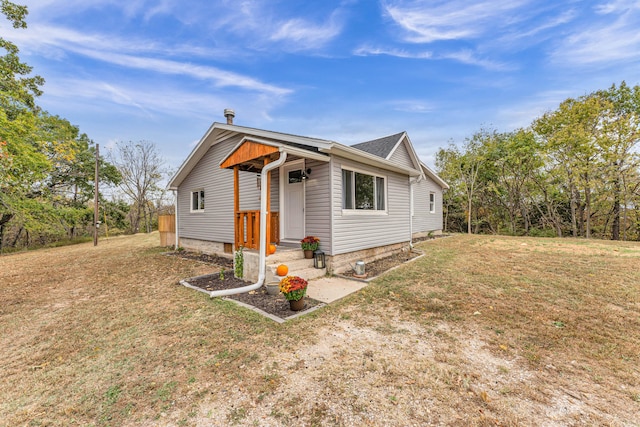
x=247, y=229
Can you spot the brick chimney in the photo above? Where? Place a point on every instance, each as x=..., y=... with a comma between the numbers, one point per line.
x=229, y=114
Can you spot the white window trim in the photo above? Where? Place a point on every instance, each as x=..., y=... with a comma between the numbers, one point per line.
x=282, y=182
x=432, y=193
x=191, y=201
x=366, y=211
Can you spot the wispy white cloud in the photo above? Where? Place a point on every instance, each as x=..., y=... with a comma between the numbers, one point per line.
x=398, y=53
x=465, y=56
x=538, y=29
x=605, y=41
x=413, y=106
x=50, y=9
x=305, y=35
x=262, y=25
x=43, y=37
x=426, y=21
x=269, y=26
x=119, y=96
x=64, y=41
x=617, y=6
x=143, y=100
x=220, y=78
x=521, y=113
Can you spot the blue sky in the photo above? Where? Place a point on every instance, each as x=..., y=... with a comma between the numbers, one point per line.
x=347, y=71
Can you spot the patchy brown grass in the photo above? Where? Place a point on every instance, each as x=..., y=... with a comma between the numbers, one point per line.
x=482, y=331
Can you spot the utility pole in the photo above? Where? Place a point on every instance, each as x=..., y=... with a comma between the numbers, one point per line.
x=96, y=215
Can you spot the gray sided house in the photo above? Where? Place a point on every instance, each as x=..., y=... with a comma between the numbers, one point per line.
x=362, y=201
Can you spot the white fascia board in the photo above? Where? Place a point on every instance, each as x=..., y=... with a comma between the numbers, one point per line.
x=369, y=159
x=296, y=139
x=201, y=148
x=192, y=159
x=412, y=151
x=306, y=154
x=397, y=144
x=281, y=147
x=431, y=174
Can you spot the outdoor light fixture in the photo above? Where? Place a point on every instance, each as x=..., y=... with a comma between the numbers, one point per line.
x=305, y=174
x=318, y=259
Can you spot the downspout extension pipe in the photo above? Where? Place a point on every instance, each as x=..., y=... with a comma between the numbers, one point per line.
x=175, y=203
x=412, y=182
x=263, y=233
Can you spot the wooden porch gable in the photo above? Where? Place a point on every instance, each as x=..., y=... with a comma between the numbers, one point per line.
x=249, y=153
x=252, y=156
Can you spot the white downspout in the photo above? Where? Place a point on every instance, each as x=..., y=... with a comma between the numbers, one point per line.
x=175, y=202
x=412, y=182
x=263, y=233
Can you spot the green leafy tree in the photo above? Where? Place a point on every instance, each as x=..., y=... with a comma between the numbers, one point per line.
x=454, y=216
x=570, y=138
x=18, y=88
x=618, y=141
x=463, y=170
x=514, y=159
x=575, y=171
x=46, y=166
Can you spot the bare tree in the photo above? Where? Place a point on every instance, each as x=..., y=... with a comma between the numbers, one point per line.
x=142, y=169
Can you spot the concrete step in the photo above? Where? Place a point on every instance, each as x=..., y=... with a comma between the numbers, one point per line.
x=294, y=265
x=285, y=255
x=310, y=273
x=302, y=267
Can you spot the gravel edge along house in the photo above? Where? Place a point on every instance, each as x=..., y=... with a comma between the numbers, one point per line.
x=363, y=201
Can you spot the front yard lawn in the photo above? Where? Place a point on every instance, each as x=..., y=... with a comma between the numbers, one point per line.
x=483, y=330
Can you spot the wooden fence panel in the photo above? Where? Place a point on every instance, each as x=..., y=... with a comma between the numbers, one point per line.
x=167, y=228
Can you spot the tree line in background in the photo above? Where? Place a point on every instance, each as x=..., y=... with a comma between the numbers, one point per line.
x=574, y=172
x=47, y=166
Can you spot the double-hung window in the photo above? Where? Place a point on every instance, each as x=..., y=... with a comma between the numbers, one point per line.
x=432, y=202
x=197, y=201
x=363, y=192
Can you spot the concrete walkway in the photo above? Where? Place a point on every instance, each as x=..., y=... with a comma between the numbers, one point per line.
x=330, y=289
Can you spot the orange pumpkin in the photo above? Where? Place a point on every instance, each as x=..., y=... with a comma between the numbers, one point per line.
x=282, y=270
x=272, y=249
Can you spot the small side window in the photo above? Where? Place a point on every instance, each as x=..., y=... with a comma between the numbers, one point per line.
x=197, y=200
x=432, y=202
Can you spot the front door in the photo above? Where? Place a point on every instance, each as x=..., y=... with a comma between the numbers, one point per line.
x=292, y=186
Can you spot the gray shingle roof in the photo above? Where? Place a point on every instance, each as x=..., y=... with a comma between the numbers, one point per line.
x=380, y=147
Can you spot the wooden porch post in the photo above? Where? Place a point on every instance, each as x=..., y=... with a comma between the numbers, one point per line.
x=268, y=222
x=236, y=207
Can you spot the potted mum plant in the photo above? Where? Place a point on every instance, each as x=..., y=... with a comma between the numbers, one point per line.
x=309, y=245
x=294, y=288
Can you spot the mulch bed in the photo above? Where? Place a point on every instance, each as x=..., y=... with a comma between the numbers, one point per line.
x=222, y=262
x=276, y=305
x=272, y=304
x=377, y=267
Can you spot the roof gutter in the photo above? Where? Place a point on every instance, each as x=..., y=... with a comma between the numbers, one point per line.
x=263, y=232
x=369, y=159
